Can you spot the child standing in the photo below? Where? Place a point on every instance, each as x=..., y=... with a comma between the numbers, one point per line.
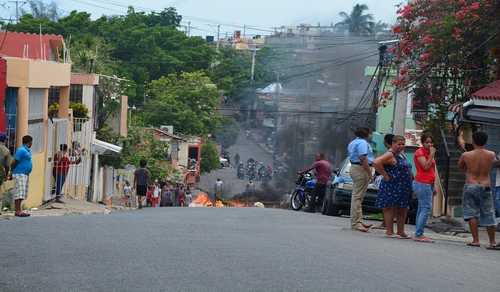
x=156, y=195
x=127, y=193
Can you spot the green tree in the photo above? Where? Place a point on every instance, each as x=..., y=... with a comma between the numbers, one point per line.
x=357, y=22
x=232, y=71
x=187, y=101
x=138, y=46
x=209, y=157
x=141, y=145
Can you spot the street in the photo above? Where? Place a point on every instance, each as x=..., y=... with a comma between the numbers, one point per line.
x=247, y=148
x=230, y=249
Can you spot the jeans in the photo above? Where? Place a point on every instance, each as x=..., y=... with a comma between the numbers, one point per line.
x=497, y=200
x=60, y=179
x=479, y=203
x=424, y=197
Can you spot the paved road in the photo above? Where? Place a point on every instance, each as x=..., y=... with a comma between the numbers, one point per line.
x=197, y=249
x=247, y=149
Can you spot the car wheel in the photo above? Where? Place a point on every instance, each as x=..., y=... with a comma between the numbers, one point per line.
x=330, y=208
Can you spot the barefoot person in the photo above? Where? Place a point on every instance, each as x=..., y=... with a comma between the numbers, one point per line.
x=478, y=202
x=361, y=157
x=387, y=143
x=423, y=185
x=396, y=187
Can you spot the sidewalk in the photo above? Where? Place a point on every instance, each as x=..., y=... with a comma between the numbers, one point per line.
x=70, y=207
x=440, y=230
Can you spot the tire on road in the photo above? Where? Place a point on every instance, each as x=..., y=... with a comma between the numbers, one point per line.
x=295, y=203
x=329, y=207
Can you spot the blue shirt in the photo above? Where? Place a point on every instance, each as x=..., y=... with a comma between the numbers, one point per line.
x=24, y=164
x=360, y=147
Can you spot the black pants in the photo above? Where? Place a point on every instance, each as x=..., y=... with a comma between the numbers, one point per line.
x=318, y=192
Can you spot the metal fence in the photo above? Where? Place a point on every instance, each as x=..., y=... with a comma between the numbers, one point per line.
x=78, y=177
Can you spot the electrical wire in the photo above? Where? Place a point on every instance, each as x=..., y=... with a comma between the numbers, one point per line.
x=307, y=73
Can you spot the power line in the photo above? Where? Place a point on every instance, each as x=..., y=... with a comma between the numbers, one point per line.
x=295, y=76
x=326, y=61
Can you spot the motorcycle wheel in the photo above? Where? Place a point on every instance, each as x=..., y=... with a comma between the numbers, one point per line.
x=295, y=201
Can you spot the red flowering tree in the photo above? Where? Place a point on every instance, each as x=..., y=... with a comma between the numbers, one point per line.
x=446, y=48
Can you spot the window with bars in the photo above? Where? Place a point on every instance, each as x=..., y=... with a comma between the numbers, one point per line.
x=76, y=93
x=54, y=93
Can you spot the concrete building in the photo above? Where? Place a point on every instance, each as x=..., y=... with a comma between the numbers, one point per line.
x=89, y=180
x=184, y=152
x=34, y=74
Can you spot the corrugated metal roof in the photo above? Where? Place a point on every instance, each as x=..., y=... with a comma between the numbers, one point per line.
x=489, y=92
x=31, y=46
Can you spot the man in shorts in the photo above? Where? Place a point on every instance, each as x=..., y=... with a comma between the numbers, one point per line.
x=142, y=177
x=478, y=202
x=21, y=170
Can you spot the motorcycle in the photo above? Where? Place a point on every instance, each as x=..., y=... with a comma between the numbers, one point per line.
x=241, y=171
x=261, y=173
x=251, y=173
x=302, y=194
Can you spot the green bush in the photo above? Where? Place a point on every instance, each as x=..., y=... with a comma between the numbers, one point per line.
x=209, y=157
x=80, y=110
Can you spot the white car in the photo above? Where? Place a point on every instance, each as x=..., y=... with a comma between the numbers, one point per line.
x=223, y=162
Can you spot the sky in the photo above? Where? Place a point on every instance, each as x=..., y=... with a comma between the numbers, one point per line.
x=204, y=15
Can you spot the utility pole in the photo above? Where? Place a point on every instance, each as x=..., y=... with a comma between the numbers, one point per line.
x=19, y=4
x=244, y=31
x=218, y=37
x=189, y=29
x=254, y=53
x=400, y=98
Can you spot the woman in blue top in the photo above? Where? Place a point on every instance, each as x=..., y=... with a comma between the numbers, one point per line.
x=396, y=188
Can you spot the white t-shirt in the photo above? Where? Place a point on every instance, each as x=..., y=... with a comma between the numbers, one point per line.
x=156, y=192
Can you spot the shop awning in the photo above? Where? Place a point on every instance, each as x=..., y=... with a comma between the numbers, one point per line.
x=105, y=148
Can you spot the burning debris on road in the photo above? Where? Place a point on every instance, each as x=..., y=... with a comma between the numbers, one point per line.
x=202, y=200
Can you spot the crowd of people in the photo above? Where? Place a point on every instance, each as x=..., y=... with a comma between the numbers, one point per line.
x=399, y=184
x=155, y=193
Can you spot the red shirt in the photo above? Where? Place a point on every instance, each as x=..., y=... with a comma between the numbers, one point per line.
x=323, y=171
x=61, y=163
x=424, y=176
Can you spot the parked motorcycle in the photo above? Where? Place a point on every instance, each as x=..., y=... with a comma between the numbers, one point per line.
x=302, y=194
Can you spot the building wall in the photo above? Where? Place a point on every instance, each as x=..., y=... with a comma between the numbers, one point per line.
x=37, y=182
x=88, y=99
x=37, y=74
x=33, y=79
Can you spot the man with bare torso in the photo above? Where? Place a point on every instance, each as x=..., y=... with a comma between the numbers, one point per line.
x=478, y=203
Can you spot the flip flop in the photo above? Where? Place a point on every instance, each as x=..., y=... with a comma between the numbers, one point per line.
x=22, y=214
x=361, y=229
x=404, y=236
x=367, y=226
x=493, y=247
x=473, y=244
x=424, y=239
x=391, y=236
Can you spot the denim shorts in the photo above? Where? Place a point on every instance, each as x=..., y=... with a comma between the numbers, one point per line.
x=478, y=203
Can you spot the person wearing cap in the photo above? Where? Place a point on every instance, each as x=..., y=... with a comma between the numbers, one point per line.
x=5, y=162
